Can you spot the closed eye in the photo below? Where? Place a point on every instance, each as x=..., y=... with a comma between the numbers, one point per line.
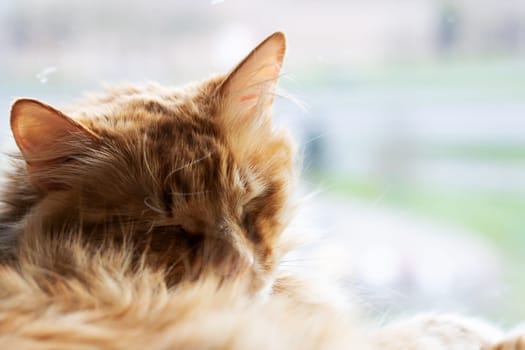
x=251, y=230
x=181, y=230
x=168, y=236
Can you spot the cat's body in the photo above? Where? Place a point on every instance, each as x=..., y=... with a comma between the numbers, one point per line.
x=103, y=301
x=155, y=218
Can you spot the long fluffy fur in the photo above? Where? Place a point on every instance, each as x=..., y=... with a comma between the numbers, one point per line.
x=103, y=300
x=152, y=217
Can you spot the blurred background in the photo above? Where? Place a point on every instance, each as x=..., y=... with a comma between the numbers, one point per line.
x=412, y=128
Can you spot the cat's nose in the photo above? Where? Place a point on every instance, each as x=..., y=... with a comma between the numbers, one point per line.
x=241, y=257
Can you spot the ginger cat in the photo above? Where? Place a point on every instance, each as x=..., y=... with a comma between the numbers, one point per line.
x=154, y=217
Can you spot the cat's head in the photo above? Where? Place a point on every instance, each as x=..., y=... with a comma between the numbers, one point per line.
x=196, y=177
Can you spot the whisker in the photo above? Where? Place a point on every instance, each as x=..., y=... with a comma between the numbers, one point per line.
x=315, y=138
x=151, y=206
x=303, y=106
x=146, y=162
x=185, y=166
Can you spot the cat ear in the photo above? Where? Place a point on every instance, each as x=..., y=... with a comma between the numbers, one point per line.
x=44, y=135
x=247, y=92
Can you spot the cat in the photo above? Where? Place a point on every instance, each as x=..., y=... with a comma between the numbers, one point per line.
x=155, y=217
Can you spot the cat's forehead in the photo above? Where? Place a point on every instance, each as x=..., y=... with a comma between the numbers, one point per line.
x=133, y=106
x=184, y=138
x=176, y=128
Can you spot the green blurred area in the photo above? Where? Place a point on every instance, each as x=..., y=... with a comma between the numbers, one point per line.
x=498, y=218
x=496, y=152
x=497, y=75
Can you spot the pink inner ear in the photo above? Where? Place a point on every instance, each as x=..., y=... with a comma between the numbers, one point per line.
x=249, y=85
x=40, y=130
x=33, y=134
x=248, y=97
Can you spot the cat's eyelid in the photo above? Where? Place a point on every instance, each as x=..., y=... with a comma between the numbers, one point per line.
x=167, y=201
